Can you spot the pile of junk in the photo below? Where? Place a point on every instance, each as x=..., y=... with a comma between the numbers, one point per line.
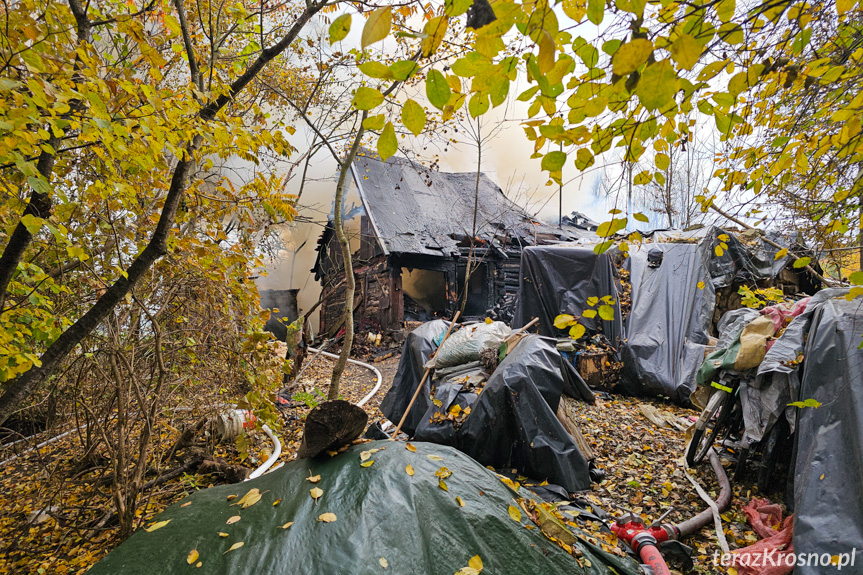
x=507, y=399
x=781, y=396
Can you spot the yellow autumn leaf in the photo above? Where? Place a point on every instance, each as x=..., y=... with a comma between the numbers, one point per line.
x=288, y=524
x=192, y=557
x=222, y=534
x=781, y=254
x=384, y=563
x=515, y=513
x=155, y=526
x=198, y=564
x=442, y=485
x=365, y=455
x=313, y=478
x=700, y=285
x=186, y=504
x=435, y=457
x=410, y=470
x=276, y=502
x=231, y=497
x=563, y=320
x=316, y=493
x=327, y=517
x=232, y=520
x=475, y=563
x=234, y=547
x=459, y=501
x=367, y=463
x=250, y=498
x=410, y=447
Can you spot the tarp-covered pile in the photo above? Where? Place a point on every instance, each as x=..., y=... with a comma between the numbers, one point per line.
x=390, y=516
x=503, y=419
x=813, y=376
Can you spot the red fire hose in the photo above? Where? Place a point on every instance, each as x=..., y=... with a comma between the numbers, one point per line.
x=644, y=540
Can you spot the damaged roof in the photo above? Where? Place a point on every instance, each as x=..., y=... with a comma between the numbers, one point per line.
x=417, y=210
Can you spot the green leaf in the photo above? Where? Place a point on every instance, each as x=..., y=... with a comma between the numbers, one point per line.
x=630, y=56
x=589, y=313
x=40, y=185
x=553, y=161
x=642, y=178
x=413, y=117
x=595, y=10
x=374, y=122
x=404, y=69
x=454, y=8
x=527, y=94
x=657, y=85
x=583, y=159
x=856, y=278
x=611, y=46
x=437, y=89
x=387, y=143
x=641, y=217
x=377, y=26
x=802, y=262
x=576, y=331
x=375, y=69
x=686, y=51
x=367, y=98
x=606, y=312
x=340, y=28
x=662, y=161
x=32, y=223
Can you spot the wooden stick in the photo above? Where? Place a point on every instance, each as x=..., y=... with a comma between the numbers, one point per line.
x=423, y=380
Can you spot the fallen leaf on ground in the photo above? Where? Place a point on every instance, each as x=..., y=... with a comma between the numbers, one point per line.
x=276, y=502
x=232, y=520
x=435, y=457
x=288, y=524
x=442, y=485
x=222, y=534
x=235, y=546
x=192, y=557
x=459, y=501
x=367, y=463
x=316, y=493
x=410, y=447
x=515, y=513
x=231, y=497
x=186, y=504
x=198, y=564
x=410, y=470
x=327, y=517
x=384, y=563
x=250, y=498
x=155, y=526
x=365, y=455
x=313, y=478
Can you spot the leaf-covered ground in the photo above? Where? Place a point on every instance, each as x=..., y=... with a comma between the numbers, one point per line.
x=643, y=465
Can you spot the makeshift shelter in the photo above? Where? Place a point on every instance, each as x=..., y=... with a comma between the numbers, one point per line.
x=393, y=516
x=677, y=279
x=416, y=234
x=508, y=421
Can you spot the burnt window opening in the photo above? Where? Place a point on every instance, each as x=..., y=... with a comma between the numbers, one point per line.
x=424, y=294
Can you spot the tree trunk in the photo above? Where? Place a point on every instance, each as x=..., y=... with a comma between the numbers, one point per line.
x=350, y=283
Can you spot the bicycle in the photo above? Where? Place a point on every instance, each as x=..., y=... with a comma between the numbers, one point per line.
x=722, y=415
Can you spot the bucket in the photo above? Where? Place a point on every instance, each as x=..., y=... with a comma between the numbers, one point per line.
x=231, y=424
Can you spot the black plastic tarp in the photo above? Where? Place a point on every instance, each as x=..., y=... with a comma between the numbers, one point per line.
x=558, y=279
x=669, y=322
x=828, y=475
x=512, y=422
x=386, y=521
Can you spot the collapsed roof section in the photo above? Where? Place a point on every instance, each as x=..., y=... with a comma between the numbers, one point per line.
x=416, y=210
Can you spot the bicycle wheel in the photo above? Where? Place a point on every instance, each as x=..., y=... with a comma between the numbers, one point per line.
x=771, y=455
x=709, y=426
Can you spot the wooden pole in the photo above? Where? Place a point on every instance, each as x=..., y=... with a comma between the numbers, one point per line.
x=423, y=380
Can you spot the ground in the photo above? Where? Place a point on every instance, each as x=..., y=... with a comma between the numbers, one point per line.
x=643, y=465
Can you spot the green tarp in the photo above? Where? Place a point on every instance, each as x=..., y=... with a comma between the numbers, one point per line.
x=381, y=512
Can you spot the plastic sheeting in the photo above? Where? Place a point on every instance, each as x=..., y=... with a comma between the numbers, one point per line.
x=669, y=323
x=559, y=279
x=828, y=474
x=382, y=513
x=512, y=422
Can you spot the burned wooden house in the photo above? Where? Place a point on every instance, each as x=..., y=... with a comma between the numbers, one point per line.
x=417, y=227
